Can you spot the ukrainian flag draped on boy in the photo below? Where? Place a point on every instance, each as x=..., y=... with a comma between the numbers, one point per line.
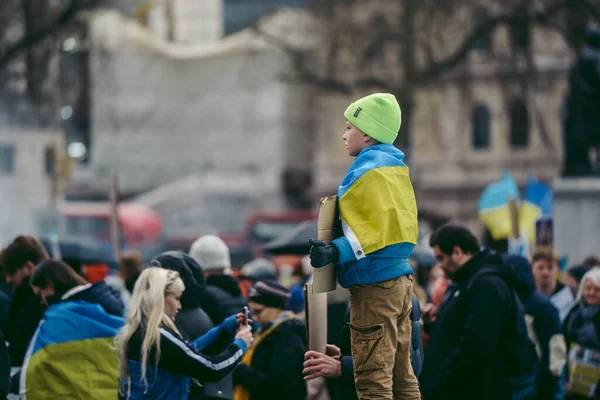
x=378, y=212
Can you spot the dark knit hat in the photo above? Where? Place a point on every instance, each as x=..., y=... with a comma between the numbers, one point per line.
x=269, y=293
x=579, y=271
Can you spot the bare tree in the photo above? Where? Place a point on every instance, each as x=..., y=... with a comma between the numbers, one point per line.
x=413, y=43
x=30, y=32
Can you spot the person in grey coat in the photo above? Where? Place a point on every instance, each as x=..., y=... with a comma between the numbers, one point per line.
x=337, y=364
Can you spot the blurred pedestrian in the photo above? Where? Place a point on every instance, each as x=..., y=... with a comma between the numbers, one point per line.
x=72, y=353
x=130, y=268
x=272, y=368
x=56, y=282
x=573, y=275
x=545, y=331
x=582, y=333
x=378, y=214
x=155, y=361
x=5, y=368
x=17, y=261
x=223, y=295
x=545, y=269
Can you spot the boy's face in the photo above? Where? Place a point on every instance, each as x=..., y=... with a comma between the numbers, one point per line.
x=355, y=140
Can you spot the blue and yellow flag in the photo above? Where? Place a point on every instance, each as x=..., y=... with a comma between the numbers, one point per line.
x=537, y=202
x=73, y=355
x=494, y=211
x=377, y=202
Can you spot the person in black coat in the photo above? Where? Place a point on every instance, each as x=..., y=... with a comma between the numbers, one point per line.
x=337, y=363
x=223, y=296
x=5, y=368
x=546, y=328
x=5, y=302
x=468, y=355
x=17, y=262
x=272, y=368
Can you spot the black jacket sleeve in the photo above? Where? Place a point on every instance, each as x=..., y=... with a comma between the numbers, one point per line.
x=488, y=310
x=176, y=356
x=284, y=374
x=347, y=368
x=4, y=368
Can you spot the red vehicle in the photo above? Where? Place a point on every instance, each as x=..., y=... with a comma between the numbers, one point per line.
x=260, y=228
x=141, y=226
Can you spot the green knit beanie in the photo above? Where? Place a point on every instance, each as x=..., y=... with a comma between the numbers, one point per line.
x=377, y=115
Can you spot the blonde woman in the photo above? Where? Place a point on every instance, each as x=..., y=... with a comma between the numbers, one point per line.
x=154, y=361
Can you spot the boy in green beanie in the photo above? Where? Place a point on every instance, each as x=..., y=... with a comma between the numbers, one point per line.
x=378, y=213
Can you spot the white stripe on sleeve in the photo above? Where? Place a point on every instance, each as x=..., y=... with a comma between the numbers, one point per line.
x=209, y=364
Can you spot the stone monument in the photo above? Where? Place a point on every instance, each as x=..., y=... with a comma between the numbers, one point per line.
x=577, y=193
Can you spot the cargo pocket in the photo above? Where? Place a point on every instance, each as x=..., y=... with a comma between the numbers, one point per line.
x=367, y=346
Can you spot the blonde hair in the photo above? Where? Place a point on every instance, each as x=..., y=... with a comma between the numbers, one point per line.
x=147, y=307
x=593, y=275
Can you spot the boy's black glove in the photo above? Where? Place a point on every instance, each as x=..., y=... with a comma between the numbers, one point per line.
x=322, y=253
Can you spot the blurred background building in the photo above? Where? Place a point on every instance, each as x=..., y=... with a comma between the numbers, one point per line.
x=209, y=111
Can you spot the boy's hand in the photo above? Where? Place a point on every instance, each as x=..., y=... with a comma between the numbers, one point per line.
x=322, y=253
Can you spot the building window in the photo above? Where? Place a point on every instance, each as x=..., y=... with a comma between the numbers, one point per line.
x=480, y=16
x=518, y=117
x=520, y=36
x=480, y=127
x=7, y=159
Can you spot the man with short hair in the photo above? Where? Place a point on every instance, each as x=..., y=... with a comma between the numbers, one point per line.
x=544, y=265
x=17, y=262
x=469, y=351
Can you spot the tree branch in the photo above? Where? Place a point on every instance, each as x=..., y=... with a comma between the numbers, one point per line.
x=302, y=73
x=34, y=38
x=514, y=17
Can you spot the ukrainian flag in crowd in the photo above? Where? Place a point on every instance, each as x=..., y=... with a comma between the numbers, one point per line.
x=377, y=202
x=494, y=210
x=537, y=202
x=73, y=355
x=493, y=206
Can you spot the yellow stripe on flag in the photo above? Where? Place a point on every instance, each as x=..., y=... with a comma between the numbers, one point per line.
x=381, y=209
x=82, y=369
x=528, y=214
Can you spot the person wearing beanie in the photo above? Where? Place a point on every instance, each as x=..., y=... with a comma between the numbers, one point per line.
x=223, y=296
x=272, y=367
x=260, y=269
x=378, y=214
x=212, y=253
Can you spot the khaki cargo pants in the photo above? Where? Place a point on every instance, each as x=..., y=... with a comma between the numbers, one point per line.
x=380, y=328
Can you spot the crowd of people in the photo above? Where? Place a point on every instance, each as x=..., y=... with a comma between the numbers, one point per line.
x=496, y=333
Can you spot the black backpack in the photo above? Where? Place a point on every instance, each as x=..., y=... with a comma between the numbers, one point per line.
x=523, y=359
